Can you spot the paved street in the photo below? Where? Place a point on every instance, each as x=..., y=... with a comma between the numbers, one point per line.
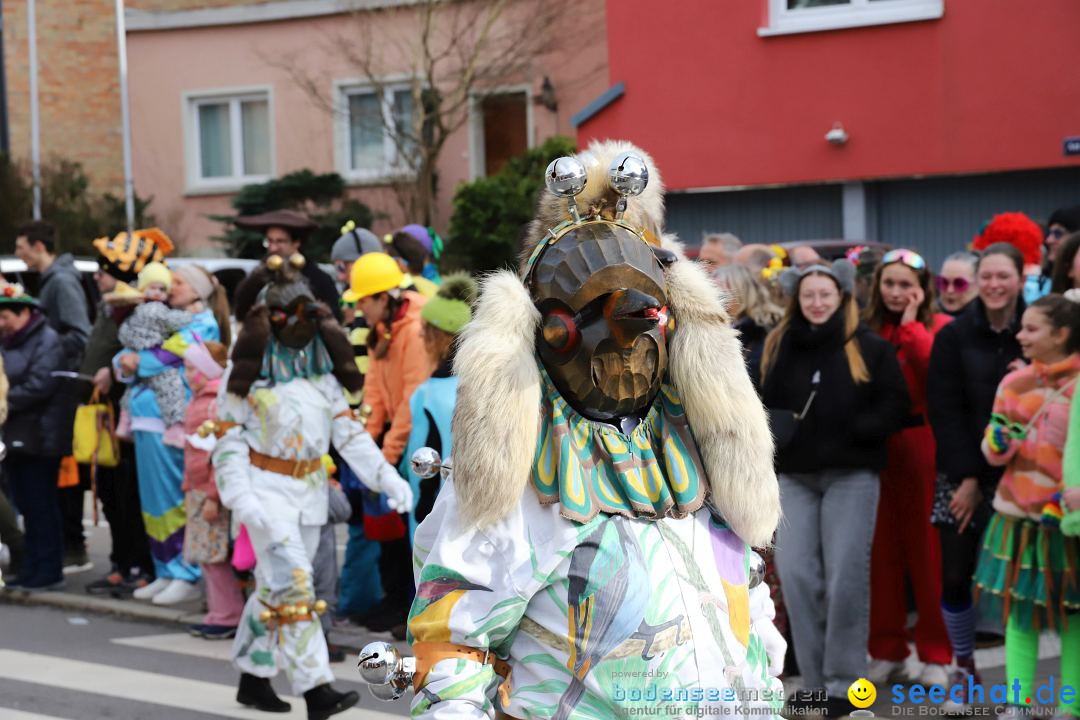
x=57, y=663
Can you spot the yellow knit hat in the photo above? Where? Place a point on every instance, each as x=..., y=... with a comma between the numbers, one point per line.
x=154, y=272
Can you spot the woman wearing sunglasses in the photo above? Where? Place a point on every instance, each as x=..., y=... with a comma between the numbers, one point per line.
x=902, y=310
x=956, y=282
x=970, y=357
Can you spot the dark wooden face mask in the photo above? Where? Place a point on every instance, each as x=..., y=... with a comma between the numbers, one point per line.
x=603, y=339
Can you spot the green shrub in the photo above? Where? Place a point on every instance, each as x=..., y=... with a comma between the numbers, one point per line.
x=491, y=213
x=320, y=197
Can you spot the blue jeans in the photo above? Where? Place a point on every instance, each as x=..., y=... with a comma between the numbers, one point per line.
x=33, y=489
x=823, y=556
x=360, y=587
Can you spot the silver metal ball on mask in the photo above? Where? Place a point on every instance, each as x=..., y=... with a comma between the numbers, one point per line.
x=629, y=175
x=566, y=177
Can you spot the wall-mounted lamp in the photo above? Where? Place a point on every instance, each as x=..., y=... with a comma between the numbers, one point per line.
x=546, y=96
x=838, y=135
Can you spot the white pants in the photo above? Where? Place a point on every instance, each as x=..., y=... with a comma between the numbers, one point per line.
x=298, y=647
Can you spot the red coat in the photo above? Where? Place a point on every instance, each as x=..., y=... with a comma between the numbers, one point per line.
x=913, y=342
x=198, y=470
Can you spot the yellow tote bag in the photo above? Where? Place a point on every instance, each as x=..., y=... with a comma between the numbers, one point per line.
x=94, y=438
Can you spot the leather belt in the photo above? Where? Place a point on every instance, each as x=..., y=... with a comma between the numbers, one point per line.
x=293, y=468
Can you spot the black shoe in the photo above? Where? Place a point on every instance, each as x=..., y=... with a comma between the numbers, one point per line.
x=107, y=585
x=386, y=620
x=76, y=561
x=217, y=632
x=379, y=608
x=256, y=692
x=324, y=701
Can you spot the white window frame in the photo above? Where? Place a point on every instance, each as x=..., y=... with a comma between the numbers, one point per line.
x=393, y=168
x=190, y=101
x=477, y=148
x=857, y=13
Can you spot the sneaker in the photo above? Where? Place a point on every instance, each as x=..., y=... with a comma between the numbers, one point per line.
x=219, y=632
x=933, y=674
x=196, y=630
x=106, y=585
x=958, y=676
x=147, y=592
x=178, y=591
x=885, y=672
x=336, y=652
x=76, y=561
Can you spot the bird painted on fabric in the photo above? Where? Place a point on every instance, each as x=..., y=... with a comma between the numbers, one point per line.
x=606, y=601
x=729, y=554
x=438, y=591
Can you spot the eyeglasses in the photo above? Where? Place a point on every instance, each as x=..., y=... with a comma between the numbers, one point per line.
x=908, y=257
x=959, y=284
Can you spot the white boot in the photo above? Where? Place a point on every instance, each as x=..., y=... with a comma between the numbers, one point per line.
x=178, y=591
x=147, y=592
x=933, y=674
x=883, y=672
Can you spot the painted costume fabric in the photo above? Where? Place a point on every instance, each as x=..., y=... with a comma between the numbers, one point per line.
x=293, y=419
x=596, y=581
x=147, y=328
x=585, y=611
x=160, y=466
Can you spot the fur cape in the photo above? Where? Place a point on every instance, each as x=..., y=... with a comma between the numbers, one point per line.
x=497, y=414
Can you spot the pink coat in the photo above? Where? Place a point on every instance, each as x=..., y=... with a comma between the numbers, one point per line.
x=198, y=470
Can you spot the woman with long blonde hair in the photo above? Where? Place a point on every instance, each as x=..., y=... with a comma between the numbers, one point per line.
x=835, y=393
x=750, y=304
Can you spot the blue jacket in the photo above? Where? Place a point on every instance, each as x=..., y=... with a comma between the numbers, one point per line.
x=432, y=407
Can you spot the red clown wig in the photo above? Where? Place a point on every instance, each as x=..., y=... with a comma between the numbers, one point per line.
x=1016, y=229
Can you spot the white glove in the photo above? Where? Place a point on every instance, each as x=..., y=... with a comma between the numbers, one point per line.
x=398, y=493
x=775, y=645
x=250, y=513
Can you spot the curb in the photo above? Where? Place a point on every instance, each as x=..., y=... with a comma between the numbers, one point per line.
x=103, y=605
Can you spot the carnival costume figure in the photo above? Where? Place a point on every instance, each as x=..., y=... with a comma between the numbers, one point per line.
x=612, y=467
x=281, y=407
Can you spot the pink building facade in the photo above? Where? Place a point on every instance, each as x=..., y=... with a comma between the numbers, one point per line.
x=218, y=101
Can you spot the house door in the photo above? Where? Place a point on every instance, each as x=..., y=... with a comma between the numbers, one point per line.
x=505, y=128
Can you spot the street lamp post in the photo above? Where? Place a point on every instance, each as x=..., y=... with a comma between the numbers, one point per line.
x=35, y=129
x=121, y=51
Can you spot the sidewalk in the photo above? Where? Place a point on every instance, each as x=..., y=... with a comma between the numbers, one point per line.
x=75, y=597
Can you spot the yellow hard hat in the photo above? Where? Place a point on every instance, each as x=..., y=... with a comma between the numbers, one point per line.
x=373, y=273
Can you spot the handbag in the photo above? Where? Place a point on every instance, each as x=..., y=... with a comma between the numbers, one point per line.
x=784, y=423
x=93, y=441
x=381, y=522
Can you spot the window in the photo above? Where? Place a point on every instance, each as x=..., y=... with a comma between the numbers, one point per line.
x=795, y=16
x=366, y=148
x=230, y=140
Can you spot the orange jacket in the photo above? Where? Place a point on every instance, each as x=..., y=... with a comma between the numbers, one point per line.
x=391, y=379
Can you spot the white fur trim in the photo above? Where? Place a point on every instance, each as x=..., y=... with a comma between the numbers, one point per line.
x=497, y=414
x=727, y=418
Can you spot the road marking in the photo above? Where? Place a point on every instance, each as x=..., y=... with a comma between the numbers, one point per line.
x=184, y=644
x=147, y=687
x=12, y=714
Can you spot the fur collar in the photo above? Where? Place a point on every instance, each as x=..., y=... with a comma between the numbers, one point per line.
x=496, y=418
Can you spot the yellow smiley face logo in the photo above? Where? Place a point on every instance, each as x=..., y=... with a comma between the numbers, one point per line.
x=862, y=693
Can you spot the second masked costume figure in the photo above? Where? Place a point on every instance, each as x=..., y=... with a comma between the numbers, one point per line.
x=280, y=409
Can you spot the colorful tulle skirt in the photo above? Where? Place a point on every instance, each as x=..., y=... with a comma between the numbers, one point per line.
x=1028, y=572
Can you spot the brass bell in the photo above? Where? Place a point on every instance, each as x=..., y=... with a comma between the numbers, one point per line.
x=286, y=611
x=208, y=428
x=297, y=260
x=364, y=413
x=301, y=609
x=320, y=606
x=274, y=262
x=266, y=616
